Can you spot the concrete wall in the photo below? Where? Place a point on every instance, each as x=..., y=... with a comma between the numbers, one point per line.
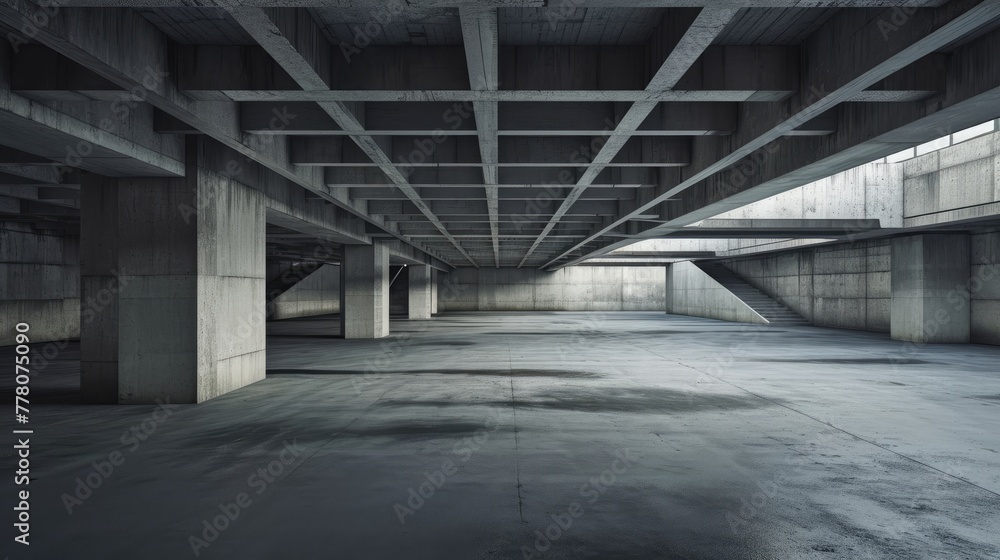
x=850, y=285
x=689, y=291
x=575, y=288
x=316, y=294
x=39, y=283
x=846, y=286
x=962, y=182
x=954, y=183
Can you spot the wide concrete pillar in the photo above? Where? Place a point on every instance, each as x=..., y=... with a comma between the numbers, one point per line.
x=172, y=287
x=364, y=284
x=930, y=276
x=421, y=298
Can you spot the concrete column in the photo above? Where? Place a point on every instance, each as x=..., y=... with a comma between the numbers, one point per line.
x=172, y=287
x=420, y=291
x=434, y=291
x=930, y=274
x=364, y=310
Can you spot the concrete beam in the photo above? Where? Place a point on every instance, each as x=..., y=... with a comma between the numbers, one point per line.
x=872, y=57
x=294, y=40
x=682, y=39
x=479, y=34
x=478, y=207
x=352, y=4
x=142, y=68
x=476, y=193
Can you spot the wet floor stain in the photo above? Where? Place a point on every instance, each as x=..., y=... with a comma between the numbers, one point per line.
x=560, y=373
x=641, y=401
x=422, y=430
x=585, y=330
x=847, y=361
x=644, y=401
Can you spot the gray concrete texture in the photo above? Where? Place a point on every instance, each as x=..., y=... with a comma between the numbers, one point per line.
x=365, y=281
x=984, y=287
x=744, y=442
x=39, y=282
x=690, y=291
x=316, y=294
x=844, y=286
x=186, y=314
x=863, y=286
x=578, y=288
x=954, y=183
x=927, y=271
x=419, y=300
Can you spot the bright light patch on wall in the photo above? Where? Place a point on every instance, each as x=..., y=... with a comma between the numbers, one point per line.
x=933, y=145
x=900, y=156
x=972, y=132
x=943, y=142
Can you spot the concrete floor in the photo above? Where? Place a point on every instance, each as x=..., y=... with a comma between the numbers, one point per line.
x=738, y=442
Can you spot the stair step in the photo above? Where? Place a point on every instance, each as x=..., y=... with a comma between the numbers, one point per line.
x=764, y=305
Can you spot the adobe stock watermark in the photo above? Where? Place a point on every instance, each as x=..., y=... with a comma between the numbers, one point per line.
x=559, y=11
x=590, y=492
x=201, y=198
x=102, y=470
x=766, y=490
x=259, y=481
x=897, y=17
x=552, y=191
x=394, y=346
x=385, y=12
x=424, y=148
x=960, y=297
x=434, y=480
x=90, y=309
x=31, y=25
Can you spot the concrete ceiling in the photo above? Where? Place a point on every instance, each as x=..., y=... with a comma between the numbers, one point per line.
x=507, y=134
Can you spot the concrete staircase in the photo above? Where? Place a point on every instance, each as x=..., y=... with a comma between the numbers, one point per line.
x=766, y=306
x=283, y=275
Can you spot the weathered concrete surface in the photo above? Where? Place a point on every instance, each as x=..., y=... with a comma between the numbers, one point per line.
x=177, y=269
x=580, y=288
x=955, y=183
x=316, y=294
x=748, y=442
x=365, y=291
x=845, y=286
x=929, y=272
x=690, y=291
x=420, y=300
x=39, y=283
x=984, y=287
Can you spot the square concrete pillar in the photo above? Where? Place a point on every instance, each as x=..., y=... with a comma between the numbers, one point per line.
x=172, y=286
x=364, y=284
x=930, y=277
x=434, y=291
x=421, y=298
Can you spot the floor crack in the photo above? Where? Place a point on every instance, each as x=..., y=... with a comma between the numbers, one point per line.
x=517, y=462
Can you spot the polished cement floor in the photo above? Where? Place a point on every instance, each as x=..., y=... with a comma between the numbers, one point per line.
x=544, y=435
